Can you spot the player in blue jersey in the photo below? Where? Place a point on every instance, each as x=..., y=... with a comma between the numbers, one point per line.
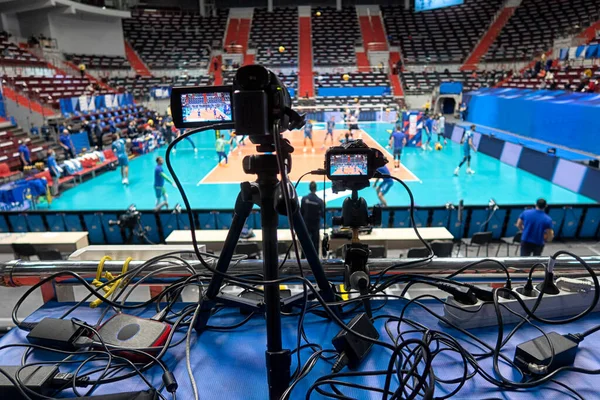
x=467, y=145
x=397, y=143
x=329, y=132
x=189, y=139
x=441, y=132
x=119, y=147
x=308, y=131
x=159, y=185
x=385, y=186
x=427, y=132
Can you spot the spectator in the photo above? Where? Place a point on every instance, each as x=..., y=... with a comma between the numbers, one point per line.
x=311, y=209
x=82, y=70
x=46, y=131
x=112, y=125
x=536, y=228
x=87, y=128
x=98, y=132
x=34, y=130
x=55, y=172
x=66, y=143
x=24, y=154
x=131, y=129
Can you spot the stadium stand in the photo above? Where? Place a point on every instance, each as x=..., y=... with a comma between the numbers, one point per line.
x=272, y=30
x=167, y=40
x=9, y=153
x=537, y=23
x=10, y=53
x=99, y=61
x=51, y=89
x=573, y=79
x=141, y=86
x=357, y=79
x=416, y=83
x=341, y=102
x=439, y=36
x=334, y=27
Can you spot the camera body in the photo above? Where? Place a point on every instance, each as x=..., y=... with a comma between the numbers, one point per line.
x=351, y=165
x=128, y=220
x=252, y=105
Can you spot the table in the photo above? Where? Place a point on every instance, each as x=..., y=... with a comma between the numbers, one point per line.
x=231, y=365
x=139, y=252
x=65, y=242
x=392, y=238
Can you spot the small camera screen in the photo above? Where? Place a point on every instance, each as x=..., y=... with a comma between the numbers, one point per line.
x=348, y=165
x=205, y=107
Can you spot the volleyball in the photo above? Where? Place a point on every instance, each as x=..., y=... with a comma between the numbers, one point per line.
x=281, y=49
x=346, y=77
x=438, y=146
x=318, y=13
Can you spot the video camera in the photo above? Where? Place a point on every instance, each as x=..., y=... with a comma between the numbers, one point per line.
x=251, y=106
x=351, y=165
x=128, y=220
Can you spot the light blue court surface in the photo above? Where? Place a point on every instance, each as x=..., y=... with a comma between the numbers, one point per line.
x=437, y=186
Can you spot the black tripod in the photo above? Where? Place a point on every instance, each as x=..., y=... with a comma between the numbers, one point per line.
x=266, y=192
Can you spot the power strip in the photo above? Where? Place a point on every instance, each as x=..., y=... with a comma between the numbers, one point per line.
x=575, y=296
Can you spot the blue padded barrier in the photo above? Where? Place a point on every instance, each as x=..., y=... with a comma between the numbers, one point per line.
x=148, y=221
x=35, y=223
x=93, y=223
x=421, y=218
x=457, y=228
x=478, y=219
x=56, y=222
x=385, y=218
x=589, y=228
x=112, y=232
x=19, y=222
x=496, y=223
x=557, y=215
x=169, y=223
x=3, y=224
x=73, y=223
x=207, y=220
x=401, y=219
x=283, y=222
x=223, y=219
x=440, y=218
x=571, y=222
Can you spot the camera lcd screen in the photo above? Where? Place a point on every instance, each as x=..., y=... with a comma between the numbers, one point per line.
x=206, y=107
x=349, y=164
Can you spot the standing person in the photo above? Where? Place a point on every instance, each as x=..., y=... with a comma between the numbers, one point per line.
x=24, y=154
x=87, y=128
x=467, y=144
x=131, y=130
x=329, y=132
x=98, y=132
x=308, y=129
x=397, y=143
x=45, y=129
x=536, y=228
x=82, y=70
x=442, y=129
x=311, y=209
x=463, y=111
x=119, y=147
x=427, y=132
x=166, y=132
x=55, y=172
x=66, y=143
x=385, y=186
x=159, y=185
x=220, y=147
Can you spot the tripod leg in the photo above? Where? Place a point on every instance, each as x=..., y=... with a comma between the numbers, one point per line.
x=241, y=212
x=312, y=257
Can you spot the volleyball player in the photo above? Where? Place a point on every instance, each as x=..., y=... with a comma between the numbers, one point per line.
x=385, y=186
x=468, y=145
x=308, y=131
x=427, y=132
x=119, y=147
x=189, y=139
x=159, y=185
x=441, y=128
x=397, y=143
x=329, y=132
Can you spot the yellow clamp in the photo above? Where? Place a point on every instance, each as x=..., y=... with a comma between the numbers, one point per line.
x=109, y=289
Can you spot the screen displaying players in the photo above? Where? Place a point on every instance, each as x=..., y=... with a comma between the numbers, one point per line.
x=424, y=5
x=206, y=107
x=349, y=165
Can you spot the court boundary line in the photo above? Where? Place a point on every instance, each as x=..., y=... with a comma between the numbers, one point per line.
x=415, y=178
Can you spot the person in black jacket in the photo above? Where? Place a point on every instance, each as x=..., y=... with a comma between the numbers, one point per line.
x=312, y=212
x=98, y=133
